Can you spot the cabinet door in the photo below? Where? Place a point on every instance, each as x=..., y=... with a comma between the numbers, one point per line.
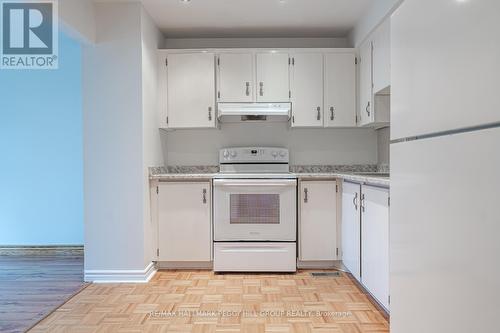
x=375, y=243
x=340, y=90
x=365, y=83
x=351, y=228
x=184, y=229
x=382, y=57
x=235, y=77
x=273, y=83
x=318, y=220
x=191, y=90
x=306, y=84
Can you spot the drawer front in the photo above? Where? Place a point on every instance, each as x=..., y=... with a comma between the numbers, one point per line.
x=255, y=257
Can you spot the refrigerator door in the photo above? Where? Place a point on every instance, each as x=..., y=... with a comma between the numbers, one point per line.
x=445, y=234
x=444, y=65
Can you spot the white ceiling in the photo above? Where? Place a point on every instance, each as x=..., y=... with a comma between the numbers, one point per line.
x=256, y=18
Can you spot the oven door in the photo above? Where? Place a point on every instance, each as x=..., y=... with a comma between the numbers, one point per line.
x=255, y=209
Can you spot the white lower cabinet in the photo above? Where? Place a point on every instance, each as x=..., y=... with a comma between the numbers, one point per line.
x=184, y=221
x=365, y=237
x=351, y=228
x=375, y=242
x=318, y=220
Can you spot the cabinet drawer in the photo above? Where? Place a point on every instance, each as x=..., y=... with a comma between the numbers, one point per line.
x=255, y=257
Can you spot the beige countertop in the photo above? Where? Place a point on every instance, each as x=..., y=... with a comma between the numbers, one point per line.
x=207, y=173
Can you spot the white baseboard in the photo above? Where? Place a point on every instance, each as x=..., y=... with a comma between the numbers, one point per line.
x=184, y=265
x=121, y=276
x=320, y=264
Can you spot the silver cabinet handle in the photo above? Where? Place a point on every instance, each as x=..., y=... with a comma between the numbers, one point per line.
x=355, y=200
x=305, y=195
x=209, y=113
x=247, y=91
x=367, y=109
x=204, y=195
x=261, y=91
x=318, y=117
x=332, y=113
x=362, y=203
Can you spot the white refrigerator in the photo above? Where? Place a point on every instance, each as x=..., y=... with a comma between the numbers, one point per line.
x=445, y=167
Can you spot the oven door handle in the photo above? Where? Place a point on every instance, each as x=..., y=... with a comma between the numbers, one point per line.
x=253, y=182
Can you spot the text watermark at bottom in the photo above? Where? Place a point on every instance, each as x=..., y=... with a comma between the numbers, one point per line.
x=248, y=314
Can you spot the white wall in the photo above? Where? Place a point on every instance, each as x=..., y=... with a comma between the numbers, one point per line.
x=377, y=12
x=383, y=139
x=193, y=43
x=113, y=141
x=307, y=146
x=77, y=18
x=152, y=40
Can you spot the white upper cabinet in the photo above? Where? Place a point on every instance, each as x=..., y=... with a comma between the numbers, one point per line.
x=374, y=78
x=365, y=83
x=235, y=79
x=306, y=85
x=382, y=57
x=273, y=83
x=190, y=90
x=319, y=83
x=340, y=90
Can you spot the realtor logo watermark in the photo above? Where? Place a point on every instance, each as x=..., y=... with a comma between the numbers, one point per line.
x=29, y=34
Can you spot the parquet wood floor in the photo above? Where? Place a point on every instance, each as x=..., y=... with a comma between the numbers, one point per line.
x=201, y=301
x=34, y=283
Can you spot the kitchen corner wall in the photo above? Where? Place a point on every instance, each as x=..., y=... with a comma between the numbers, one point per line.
x=119, y=126
x=378, y=11
x=307, y=146
x=152, y=40
x=77, y=18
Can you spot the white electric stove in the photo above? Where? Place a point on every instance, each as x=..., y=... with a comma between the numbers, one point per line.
x=255, y=211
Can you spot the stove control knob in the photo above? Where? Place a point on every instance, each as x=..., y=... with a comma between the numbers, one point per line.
x=225, y=153
x=274, y=154
x=282, y=154
x=233, y=154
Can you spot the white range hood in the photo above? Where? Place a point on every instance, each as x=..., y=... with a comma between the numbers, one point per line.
x=238, y=112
